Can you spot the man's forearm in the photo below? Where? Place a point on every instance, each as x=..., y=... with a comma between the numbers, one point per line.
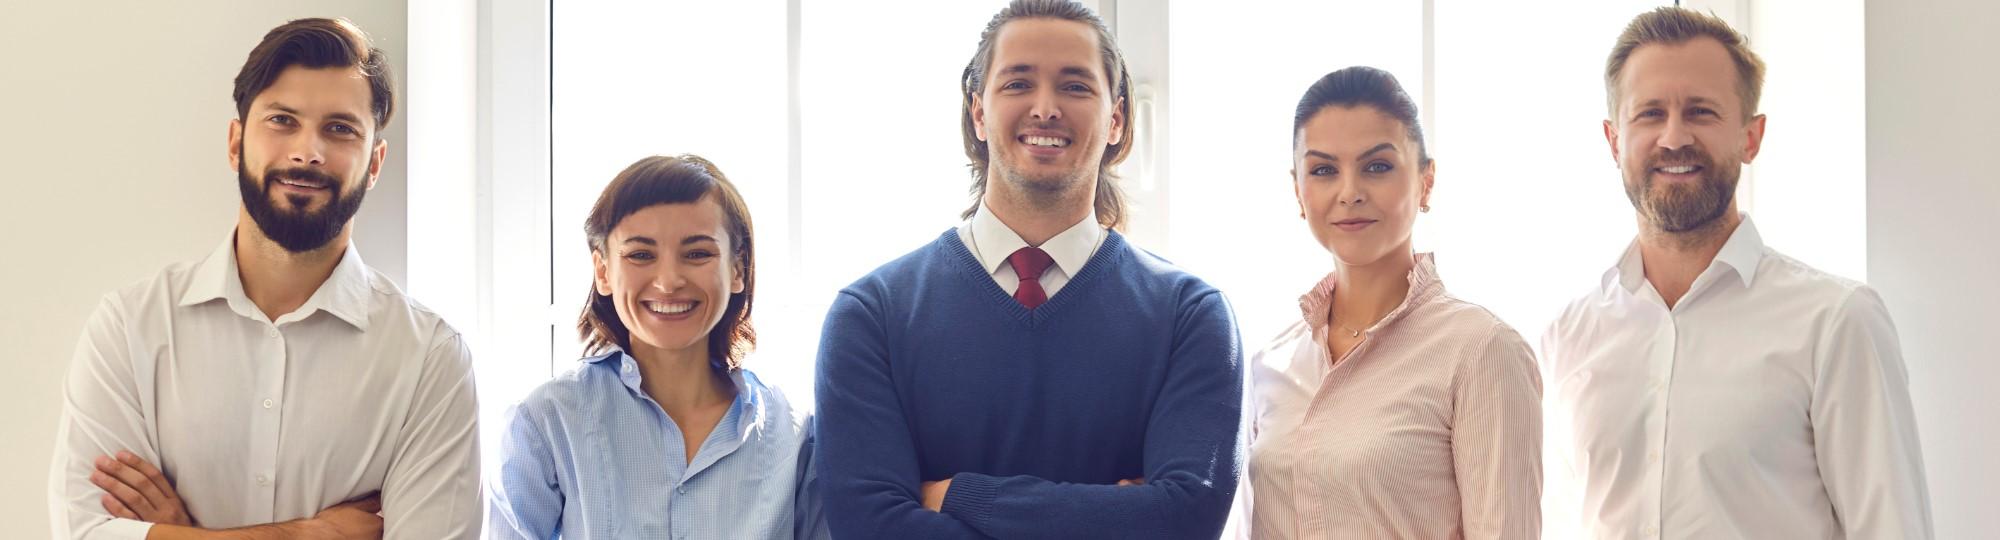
x=299, y=529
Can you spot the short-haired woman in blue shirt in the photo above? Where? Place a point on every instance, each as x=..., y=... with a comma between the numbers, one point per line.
x=660, y=432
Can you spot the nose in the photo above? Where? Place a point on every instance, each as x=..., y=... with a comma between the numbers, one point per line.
x=308, y=151
x=1676, y=135
x=1044, y=107
x=668, y=279
x=1349, y=193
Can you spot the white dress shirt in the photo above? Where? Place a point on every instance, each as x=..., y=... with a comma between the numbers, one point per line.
x=992, y=242
x=259, y=421
x=1770, y=402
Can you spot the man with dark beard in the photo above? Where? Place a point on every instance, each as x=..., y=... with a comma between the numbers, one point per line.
x=1029, y=374
x=1711, y=387
x=278, y=388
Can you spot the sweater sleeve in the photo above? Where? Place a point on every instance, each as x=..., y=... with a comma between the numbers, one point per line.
x=867, y=462
x=1192, y=455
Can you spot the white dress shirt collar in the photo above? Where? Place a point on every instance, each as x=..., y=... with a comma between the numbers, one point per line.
x=993, y=242
x=1742, y=252
x=344, y=294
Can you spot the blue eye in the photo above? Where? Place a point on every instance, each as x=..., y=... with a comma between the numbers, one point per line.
x=1322, y=170
x=1379, y=167
x=1076, y=87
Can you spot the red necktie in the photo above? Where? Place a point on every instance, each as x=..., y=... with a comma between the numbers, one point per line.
x=1029, y=262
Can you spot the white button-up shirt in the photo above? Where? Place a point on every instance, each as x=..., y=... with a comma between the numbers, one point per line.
x=259, y=421
x=1770, y=402
x=991, y=242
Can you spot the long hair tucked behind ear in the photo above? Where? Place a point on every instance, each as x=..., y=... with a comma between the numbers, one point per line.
x=672, y=180
x=1110, y=200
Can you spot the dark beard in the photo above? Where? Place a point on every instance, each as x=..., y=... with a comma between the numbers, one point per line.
x=295, y=229
x=1687, y=207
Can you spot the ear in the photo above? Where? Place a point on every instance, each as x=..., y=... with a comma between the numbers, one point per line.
x=1756, y=142
x=600, y=277
x=736, y=277
x=380, y=152
x=1297, y=194
x=1611, y=138
x=1430, y=182
x=235, y=150
x=978, y=113
x=1117, y=122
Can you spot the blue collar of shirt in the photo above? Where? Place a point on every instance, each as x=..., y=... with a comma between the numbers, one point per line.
x=749, y=409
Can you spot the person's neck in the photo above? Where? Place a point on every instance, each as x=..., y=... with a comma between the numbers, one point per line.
x=1039, y=217
x=1672, y=260
x=680, y=380
x=1363, y=294
x=276, y=280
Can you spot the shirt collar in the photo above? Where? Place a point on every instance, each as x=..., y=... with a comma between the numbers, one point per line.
x=344, y=294
x=993, y=242
x=1424, y=286
x=750, y=405
x=1742, y=252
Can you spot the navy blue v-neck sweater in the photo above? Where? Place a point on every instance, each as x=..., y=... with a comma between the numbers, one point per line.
x=929, y=371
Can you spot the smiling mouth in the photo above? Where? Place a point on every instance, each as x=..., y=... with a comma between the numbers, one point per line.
x=1678, y=169
x=301, y=184
x=676, y=307
x=1043, y=141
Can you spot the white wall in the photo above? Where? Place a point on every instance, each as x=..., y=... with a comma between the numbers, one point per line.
x=1933, y=213
x=113, y=140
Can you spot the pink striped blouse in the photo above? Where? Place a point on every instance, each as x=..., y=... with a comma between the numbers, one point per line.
x=1431, y=427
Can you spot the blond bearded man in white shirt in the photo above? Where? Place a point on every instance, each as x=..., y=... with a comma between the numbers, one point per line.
x=1711, y=387
x=278, y=388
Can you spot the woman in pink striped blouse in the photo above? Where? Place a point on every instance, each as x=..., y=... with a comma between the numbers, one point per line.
x=1390, y=409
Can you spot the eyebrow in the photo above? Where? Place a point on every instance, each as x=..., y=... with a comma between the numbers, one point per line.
x=1371, y=151
x=1694, y=100
x=692, y=239
x=1075, y=71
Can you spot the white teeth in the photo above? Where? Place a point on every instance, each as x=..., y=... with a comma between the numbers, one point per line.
x=1682, y=169
x=673, y=308
x=291, y=182
x=1052, y=142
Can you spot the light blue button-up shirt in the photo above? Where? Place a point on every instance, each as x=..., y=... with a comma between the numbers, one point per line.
x=590, y=455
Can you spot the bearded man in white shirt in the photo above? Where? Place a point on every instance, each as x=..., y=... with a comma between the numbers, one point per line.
x=1711, y=387
x=278, y=388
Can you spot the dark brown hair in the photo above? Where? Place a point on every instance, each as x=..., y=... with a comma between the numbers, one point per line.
x=1362, y=85
x=672, y=180
x=1675, y=25
x=1110, y=200
x=317, y=44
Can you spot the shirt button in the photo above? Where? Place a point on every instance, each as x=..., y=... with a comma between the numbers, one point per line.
x=263, y=480
x=683, y=490
x=268, y=403
x=270, y=331
x=1652, y=457
x=1650, y=531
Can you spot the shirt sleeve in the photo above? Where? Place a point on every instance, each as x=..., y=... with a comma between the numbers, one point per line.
x=432, y=491
x=1496, y=439
x=525, y=501
x=1562, y=489
x=867, y=462
x=1864, y=429
x=103, y=412
x=1192, y=456
x=808, y=513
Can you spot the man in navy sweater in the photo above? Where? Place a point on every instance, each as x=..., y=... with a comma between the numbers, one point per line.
x=1029, y=374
